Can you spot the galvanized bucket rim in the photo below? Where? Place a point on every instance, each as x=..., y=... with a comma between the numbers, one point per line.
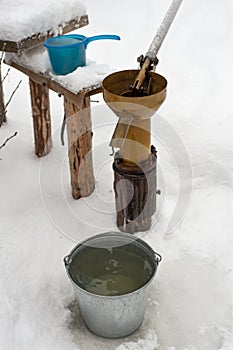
x=157, y=259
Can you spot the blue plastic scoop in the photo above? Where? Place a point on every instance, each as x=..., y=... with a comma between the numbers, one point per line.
x=68, y=52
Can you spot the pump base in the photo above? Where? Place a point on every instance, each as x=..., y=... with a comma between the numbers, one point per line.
x=135, y=193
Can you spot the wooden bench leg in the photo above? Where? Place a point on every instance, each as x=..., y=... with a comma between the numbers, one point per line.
x=2, y=104
x=79, y=131
x=41, y=118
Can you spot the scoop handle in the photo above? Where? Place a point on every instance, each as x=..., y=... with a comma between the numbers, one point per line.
x=100, y=37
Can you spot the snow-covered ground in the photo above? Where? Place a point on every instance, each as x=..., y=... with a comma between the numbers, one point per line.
x=190, y=306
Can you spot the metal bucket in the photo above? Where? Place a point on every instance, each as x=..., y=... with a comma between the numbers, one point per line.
x=111, y=273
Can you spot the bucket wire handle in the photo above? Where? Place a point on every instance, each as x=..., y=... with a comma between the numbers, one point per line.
x=158, y=257
x=100, y=37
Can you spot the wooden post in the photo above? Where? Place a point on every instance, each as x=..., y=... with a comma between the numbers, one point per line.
x=79, y=132
x=135, y=193
x=41, y=118
x=2, y=104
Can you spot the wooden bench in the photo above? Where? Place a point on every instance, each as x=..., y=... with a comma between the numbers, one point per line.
x=77, y=112
x=78, y=122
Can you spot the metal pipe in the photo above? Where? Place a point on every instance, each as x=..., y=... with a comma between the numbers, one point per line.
x=150, y=57
x=163, y=29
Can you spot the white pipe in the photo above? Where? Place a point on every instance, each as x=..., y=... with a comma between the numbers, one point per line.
x=163, y=29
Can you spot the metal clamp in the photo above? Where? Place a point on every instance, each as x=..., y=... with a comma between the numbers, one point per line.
x=67, y=260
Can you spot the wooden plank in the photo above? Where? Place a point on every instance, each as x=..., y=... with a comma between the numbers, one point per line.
x=45, y=80
x=38, y=38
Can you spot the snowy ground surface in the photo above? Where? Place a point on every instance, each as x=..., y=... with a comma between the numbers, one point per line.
x=190, y=306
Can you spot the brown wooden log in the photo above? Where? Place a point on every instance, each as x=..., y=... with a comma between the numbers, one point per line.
x=135, y=194
x=79, y=132
x=41, y=118
x=2, y=104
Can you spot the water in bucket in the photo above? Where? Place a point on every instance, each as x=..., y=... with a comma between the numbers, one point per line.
x=111, y=271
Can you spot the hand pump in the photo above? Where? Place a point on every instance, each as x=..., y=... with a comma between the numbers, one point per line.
x=141, y=85
x=134, y=96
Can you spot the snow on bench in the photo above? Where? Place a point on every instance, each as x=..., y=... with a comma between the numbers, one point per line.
x=37, y=60
x=24, y=23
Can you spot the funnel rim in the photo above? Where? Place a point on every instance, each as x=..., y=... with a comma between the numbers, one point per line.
x=139, y=98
